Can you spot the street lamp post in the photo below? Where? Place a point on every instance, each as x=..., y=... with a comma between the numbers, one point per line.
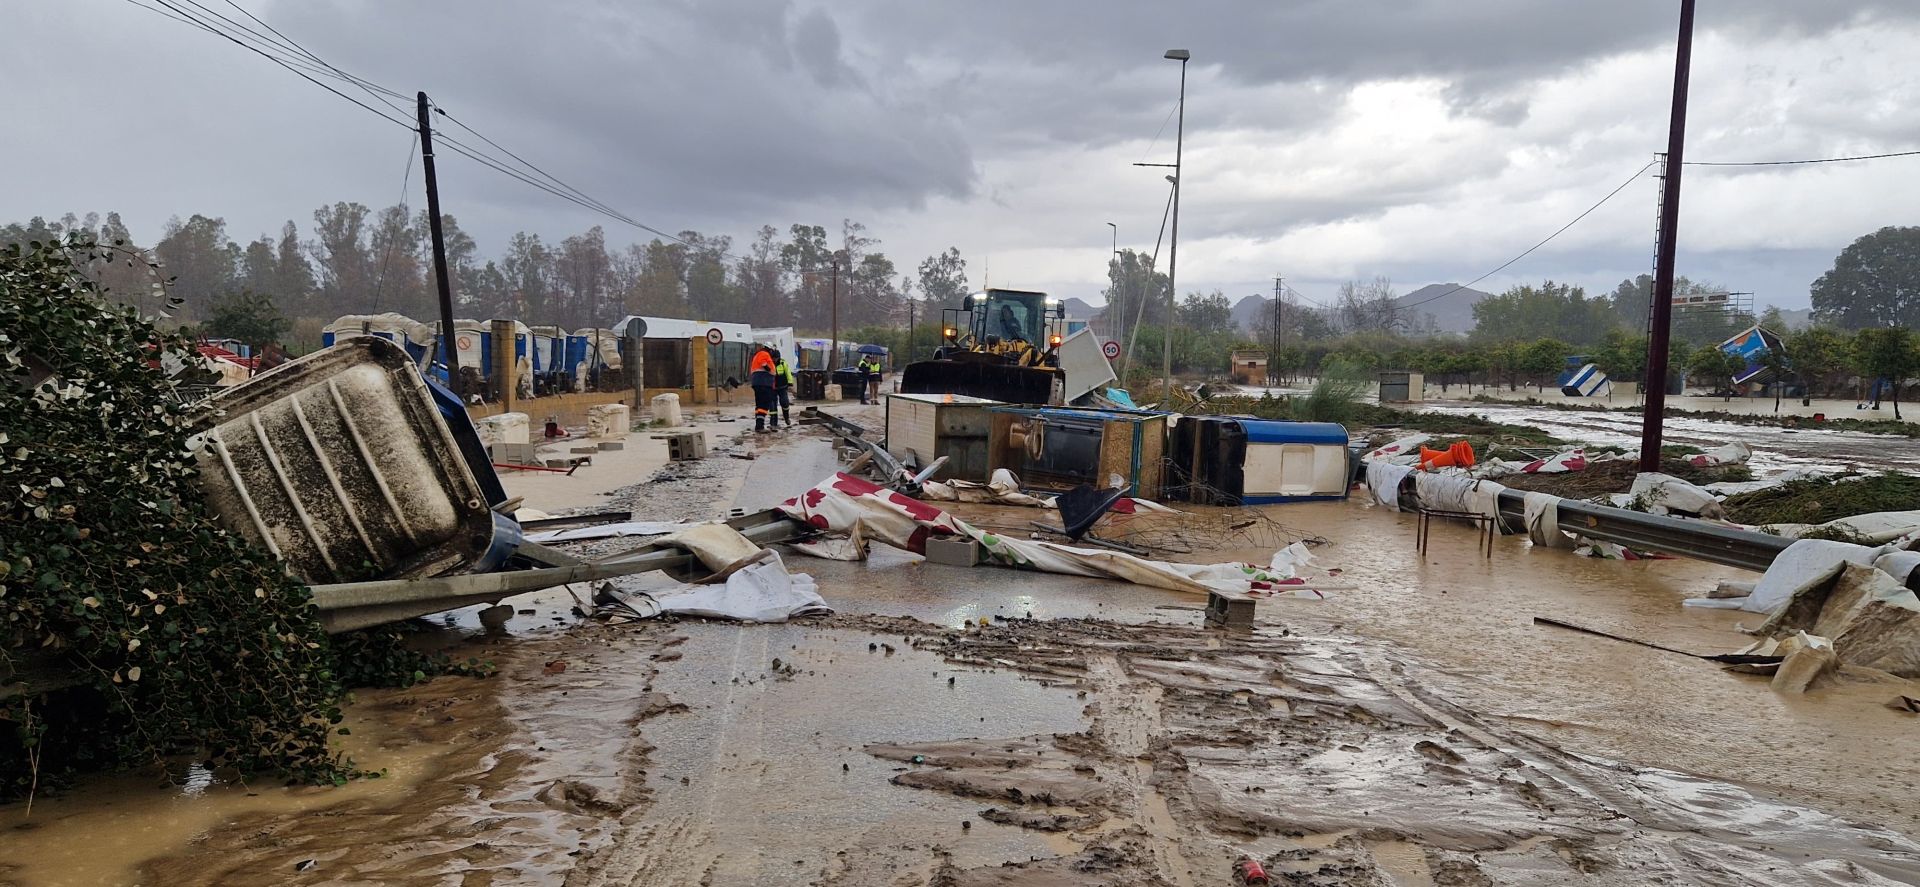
x=1173, y=250
x=1120, y=315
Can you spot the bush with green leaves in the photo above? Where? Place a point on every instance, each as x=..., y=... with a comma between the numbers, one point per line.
x=185, y=639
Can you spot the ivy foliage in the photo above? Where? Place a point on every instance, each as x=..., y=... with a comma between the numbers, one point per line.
x=186, y=639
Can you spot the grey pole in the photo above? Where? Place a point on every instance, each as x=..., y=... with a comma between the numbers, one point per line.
x=1173, y=252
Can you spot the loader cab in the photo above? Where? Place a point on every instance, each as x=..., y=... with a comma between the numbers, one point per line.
x=996, y=318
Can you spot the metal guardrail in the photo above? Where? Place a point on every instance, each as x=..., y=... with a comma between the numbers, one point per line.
x=1744, y=549
x=350, y=605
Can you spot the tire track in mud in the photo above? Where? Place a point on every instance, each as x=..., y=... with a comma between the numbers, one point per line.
x=1126, y=724
x=1327, y=760
x=657, y=847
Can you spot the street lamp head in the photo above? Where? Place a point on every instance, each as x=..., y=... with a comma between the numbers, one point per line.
x=1113, y=226
x=1178, y=54
x=1172, y=181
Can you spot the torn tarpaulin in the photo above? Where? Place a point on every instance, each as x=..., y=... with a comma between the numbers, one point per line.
x=848, y=508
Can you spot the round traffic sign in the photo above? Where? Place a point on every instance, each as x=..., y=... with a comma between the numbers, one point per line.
x=1111, y=349
x=715, y=337
x=463, y=343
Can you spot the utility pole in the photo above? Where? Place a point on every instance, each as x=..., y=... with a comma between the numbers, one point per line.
x=1173, y=252
x=448, y=334
x=1273, y=359
x=909, y=330
x=834, y=355
x=1661, y=315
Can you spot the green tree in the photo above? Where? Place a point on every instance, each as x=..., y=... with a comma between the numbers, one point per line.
x=248, y=317
x=943, y=279
x=1550, y=310
x=1542, y=359
x=1874, y=282
x=1713, y=365
x=1779, y=370
x=1208, y=313
x=1818, y=352
x=1886, y=354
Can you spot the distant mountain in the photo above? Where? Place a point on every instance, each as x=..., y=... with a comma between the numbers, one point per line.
x=1249, y=309
x=1451, y=306
x=1078, y=309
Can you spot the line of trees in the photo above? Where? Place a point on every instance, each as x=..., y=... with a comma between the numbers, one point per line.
x=354, y=260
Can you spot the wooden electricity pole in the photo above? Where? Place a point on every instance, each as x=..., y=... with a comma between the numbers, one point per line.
x=1662, y=308
x=449, y=351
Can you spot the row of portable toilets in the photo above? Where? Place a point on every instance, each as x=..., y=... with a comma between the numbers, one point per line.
x=547, y=358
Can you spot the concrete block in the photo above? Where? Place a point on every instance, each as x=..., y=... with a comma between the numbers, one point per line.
x=956, y=551
x=506, y=428
x=609, y=421
x=586, y=451
x=1233, y=613
x=832, y=392
x=607, y=445
x=558, y=463
x=666, y=410
x=512, y=453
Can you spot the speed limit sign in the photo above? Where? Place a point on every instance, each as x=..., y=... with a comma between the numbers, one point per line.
x=1111, y=349
x=714, y=336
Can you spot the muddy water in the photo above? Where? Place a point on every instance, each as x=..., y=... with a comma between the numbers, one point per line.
x=1204, y=747
x=764, y=778
x=101, y=832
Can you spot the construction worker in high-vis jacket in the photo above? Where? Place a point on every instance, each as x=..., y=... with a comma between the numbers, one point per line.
x=783, y=383
x=761, y=375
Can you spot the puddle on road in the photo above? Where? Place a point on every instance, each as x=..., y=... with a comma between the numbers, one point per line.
x=768, y=773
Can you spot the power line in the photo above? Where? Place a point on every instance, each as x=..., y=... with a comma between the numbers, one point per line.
x=1798, y=162
x=276, y=60
x=1529, y=250
x=406, y=175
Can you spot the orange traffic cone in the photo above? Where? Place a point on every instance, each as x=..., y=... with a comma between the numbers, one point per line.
x=1431, y=459
x=1462, y=454
x=1459, y=455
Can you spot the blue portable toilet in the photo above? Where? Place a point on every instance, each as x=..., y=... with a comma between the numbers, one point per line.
x=1241, y=460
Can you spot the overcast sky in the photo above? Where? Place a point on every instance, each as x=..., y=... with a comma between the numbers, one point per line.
x=1425, y=140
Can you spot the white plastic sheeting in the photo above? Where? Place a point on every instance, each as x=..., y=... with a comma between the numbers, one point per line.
x=853, y=512
x=1003, y=488
x=1542, y=515
x=1805, y=564
x=758, y=589
x=1735, y=453
x=1384, y=479
x=610, y=531
x=1404, y=451
x=1665, y=494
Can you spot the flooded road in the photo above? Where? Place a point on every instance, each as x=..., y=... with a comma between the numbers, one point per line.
x=1417, y=728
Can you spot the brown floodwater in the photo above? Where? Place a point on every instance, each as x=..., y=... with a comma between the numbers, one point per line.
x=677, y=754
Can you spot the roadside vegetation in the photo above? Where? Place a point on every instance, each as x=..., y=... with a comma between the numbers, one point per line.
x=166, y=637
x=1817, y=500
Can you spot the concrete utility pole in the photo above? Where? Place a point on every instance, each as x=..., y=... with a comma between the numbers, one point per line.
x=1273, y=359
x=1652, y=413
x=449, y=351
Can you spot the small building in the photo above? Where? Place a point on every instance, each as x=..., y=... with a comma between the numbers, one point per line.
x=1248, y=367
x=1401, y=386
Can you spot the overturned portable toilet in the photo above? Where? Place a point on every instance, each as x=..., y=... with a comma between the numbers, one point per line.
x=1239, y=460
x=1587, y=381
x=340, y=465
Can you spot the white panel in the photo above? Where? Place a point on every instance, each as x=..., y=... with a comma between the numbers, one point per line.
x=1083, y=365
